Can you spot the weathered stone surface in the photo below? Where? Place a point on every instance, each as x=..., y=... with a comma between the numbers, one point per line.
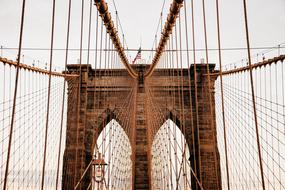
x=103, y=97
x=142, y=180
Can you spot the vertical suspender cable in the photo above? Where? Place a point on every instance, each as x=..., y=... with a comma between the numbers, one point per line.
x=196, y=92
x=182, y=115
x=15, y=96
x=174, y=103
x=79, y=92
x=87, y=70
x=209, y=92
x=89, y=34
x=104, y=101
x=190, y=96
x=253, y=95
x=222, y=91
x=48, y=100
x=63, y=93
x=169, y=112
x=95, y=70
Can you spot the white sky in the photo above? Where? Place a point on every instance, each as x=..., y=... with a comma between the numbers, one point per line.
x=139, y=20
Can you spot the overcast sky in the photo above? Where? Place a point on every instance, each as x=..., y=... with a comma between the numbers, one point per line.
x=139, y=20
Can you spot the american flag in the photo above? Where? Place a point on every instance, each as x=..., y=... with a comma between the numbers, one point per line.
x=138, y=56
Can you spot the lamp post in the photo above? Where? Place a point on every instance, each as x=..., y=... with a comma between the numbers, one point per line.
x=99, y=170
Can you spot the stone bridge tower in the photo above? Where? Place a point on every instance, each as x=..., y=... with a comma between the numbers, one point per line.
x=83, y=135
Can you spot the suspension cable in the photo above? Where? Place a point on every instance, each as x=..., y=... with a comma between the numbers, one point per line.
x=109, y=24
x=171, y=18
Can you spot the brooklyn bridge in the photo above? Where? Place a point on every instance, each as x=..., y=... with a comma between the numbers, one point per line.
x=101, y=115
